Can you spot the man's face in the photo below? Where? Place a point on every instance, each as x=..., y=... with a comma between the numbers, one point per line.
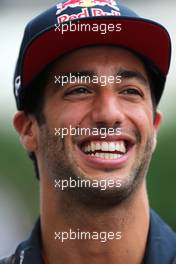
x=126, y=105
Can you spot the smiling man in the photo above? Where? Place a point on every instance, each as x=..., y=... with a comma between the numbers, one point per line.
x=94, y=204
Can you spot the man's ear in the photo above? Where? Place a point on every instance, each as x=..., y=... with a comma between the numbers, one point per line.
x=158, y=120
x=157, y=124
x=26, y=126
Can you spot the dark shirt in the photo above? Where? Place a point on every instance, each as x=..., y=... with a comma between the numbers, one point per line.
x=160, y=248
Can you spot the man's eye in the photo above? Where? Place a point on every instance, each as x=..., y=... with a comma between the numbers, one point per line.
x=80, y=90
x=132, y=91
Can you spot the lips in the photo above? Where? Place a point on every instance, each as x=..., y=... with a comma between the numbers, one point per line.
x=109, y=150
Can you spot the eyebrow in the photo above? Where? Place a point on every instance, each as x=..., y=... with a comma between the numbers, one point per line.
x=130, y=74
x=124, y=73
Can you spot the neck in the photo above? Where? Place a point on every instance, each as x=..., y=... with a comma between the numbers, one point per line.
x=126, y=225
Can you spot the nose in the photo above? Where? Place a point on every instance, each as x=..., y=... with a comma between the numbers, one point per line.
x=106, y=110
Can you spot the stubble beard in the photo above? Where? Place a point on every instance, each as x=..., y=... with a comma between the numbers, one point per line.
x=61, y=165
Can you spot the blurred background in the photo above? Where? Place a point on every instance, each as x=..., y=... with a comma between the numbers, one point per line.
x=19, y=190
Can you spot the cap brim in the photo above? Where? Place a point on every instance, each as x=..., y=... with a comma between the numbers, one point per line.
x=145, y=37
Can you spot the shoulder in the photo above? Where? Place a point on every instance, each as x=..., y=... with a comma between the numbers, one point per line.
x=161, y=245
x=161, y=230
x=28, y=251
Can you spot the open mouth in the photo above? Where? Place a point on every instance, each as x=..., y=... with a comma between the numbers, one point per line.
x=105, y=149
x=111, y=152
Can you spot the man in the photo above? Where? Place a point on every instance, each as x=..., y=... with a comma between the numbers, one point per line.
x=94, y=205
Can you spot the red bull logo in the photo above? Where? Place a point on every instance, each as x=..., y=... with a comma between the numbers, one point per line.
x=85, y=3
x=94, y=5
x=70, y=3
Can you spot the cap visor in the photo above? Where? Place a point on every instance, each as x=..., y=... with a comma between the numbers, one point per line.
x=143, y=36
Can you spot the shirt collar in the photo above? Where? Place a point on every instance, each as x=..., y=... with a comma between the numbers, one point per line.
x=161, y=244
x=29, y=251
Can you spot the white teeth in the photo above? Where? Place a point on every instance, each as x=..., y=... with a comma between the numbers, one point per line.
x=106, y=155
x=120, y=146
x=112, y=146
x=92, y=146
x=102, y=155
x=115, y=156
x=88, y=148
x=106, y=146
x=97, y=155
x=111, y=155
x=98, y=146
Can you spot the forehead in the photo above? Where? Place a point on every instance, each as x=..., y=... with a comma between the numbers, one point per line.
x=98, y=58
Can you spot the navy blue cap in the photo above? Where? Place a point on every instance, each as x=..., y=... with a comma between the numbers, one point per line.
x=44, y=41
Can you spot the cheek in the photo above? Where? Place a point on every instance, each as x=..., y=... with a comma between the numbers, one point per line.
x=142, y=119
x=64, y=113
